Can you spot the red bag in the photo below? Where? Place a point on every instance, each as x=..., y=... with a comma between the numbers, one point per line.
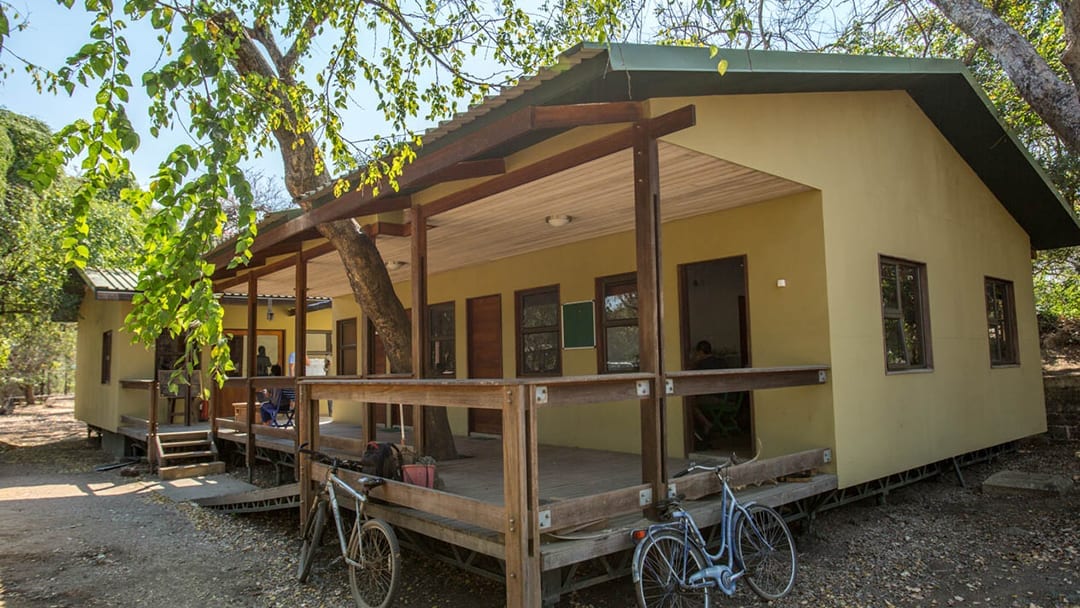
x=422, y=475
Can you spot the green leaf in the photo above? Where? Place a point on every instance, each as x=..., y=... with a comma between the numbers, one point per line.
x=722, y=67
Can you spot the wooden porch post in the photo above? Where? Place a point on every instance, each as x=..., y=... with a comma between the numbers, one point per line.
x=307, y=433
x=650, y=306
x=151, y=443
x=522, y=562
x=252, y=361
x=301, y=315
x=419, y=316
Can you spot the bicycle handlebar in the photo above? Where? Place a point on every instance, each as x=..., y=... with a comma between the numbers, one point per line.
x=700, y=467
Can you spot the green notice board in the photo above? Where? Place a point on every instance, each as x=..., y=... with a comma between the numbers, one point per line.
x=579, y=326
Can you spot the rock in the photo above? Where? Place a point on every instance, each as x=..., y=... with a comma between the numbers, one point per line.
x=1021, y=482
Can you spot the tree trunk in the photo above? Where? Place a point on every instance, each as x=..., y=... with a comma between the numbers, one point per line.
x=1055, y=100
x=28, y=393
x=368, y=277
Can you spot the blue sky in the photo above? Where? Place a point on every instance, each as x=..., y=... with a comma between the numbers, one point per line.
x=54, y=34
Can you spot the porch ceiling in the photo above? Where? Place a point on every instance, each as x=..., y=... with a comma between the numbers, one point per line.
x=512, y=222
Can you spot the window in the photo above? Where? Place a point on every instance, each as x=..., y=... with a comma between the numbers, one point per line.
x=441, y=339
x=1001, y=322
x=538, y=352
x=619, y=346
x=346, y=347
x=106, y=357
x=904, y=315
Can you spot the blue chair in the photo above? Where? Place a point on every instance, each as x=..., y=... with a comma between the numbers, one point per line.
x=282, y=401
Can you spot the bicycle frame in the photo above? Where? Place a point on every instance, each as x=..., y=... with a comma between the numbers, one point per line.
x=716, y=572
x=360, y=502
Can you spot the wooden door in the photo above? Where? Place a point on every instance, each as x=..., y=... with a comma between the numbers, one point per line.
x=484, y=319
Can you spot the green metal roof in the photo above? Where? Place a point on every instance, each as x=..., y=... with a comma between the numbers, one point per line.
x=943, y=89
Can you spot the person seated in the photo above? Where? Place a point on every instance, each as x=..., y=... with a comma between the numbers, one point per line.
x=269, y=407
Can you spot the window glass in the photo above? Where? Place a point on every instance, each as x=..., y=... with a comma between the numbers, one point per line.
x=619, y=348
x=539, y=348
x=904, y=316
x=1001, y=322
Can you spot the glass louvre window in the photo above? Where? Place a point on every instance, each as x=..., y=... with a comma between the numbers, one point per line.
x=1001, y=322
x=538, y=332
x=441, y=339
x=904, y=315
x=619, y=340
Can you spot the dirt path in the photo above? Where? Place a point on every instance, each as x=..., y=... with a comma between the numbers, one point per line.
x=73, y=537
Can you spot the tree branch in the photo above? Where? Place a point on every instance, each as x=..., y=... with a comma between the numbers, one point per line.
x=1070, y=14
x=1052, y=98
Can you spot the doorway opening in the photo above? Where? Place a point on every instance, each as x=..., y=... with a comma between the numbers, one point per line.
x=715, y=335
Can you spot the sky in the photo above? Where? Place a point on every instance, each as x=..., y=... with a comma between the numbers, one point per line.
x=54, y=33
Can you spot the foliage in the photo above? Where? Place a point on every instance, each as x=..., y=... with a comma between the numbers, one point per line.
x=32, y=270
x=916, y=29
x=223, y=78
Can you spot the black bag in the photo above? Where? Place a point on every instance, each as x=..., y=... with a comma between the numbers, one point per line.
x=382, y=459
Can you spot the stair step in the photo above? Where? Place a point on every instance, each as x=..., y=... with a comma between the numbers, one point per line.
x=192, y=470
x=186, y=444
x=183, y=436
x=195, y=454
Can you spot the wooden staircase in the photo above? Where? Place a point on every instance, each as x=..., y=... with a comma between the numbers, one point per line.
x=186, y=454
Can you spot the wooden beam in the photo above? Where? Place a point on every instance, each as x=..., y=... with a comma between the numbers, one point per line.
x=387, y=229
x=152, y=426
x=300, y=340
x=522, y=565
x=758, y=471
x=662, y=125
x=252, y=362
x=305, y=437
x=574, y=512
x=465, y=170
x=436, y=502
x=505, y=130
x=420, y=172
x=260, y=271
x=650, y=305
x=419, y=318
x=598, y=389
x=708, y=382
x=398, y=391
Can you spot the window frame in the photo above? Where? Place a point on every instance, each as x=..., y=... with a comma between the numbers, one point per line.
x=1007, y=325
x=347, y=343
x=602, y=286
x=923, y=315
x=106, y=357
x=432, y=339
x=520, y=332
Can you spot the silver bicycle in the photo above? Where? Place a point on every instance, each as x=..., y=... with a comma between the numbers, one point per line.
x=370, y=550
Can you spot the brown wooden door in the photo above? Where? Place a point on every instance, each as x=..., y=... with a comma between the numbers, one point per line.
x=484, y=319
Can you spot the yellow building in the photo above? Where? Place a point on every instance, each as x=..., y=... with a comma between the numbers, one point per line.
x=112, y=373
x=866, y=217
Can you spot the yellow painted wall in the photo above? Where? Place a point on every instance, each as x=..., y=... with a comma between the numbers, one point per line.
x=891, y=185
x=782, y=238
x=97, y=404
x=101, y=405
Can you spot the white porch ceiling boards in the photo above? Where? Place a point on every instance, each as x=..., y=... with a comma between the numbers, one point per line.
x=599, y=196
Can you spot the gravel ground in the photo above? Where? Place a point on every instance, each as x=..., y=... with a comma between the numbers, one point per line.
x=72, y=537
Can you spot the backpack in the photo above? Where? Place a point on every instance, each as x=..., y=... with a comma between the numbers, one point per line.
x=382, y=459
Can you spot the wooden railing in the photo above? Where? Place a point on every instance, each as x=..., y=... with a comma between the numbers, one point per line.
x=151, y=385
x=220, y=419
x=520, y=517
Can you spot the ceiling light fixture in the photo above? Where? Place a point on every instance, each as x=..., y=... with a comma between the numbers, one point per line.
x=393, y=265
x=270, y=309
x=558, y=220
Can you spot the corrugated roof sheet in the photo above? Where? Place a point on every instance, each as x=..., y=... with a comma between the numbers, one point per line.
x=110, y=279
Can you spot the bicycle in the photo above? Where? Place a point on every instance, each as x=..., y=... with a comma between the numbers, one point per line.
x=673, y=567
x=371, y=552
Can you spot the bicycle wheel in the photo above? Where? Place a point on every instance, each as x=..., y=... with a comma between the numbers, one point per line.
x=375, y=582
x=312, y=536
x=767, y=552
x=662, y=564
